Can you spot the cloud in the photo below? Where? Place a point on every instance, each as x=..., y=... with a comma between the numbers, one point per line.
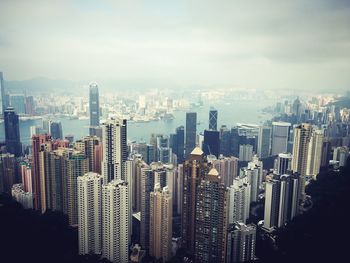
x=269, y=44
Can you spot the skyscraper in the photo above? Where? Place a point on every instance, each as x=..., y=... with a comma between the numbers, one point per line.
x=227, y=168
x=115, y=221
x=241, y=242
x=210, y=219
x=315, y=153
x=147, y=186
x=264, y=140
x=94, y=106
x=302, y=137
x=191, y=130
x=239, y=201
x=177, y=143
x=281, y=200
x=12, y=136
x=89, y=146
x=90, y=213
x=115, y=151
x=3, y=105
x=39, y=143
x=75, y=165
x=18, y=103
x=280, y=134
x=272, y=196
x=160, y=223
x=284, y=162
x=213, y=119
x=211, y=143
x=194, y=169
x=56, y=130
x=8, y=172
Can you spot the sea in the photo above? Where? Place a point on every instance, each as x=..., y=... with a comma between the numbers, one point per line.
x=229, y=113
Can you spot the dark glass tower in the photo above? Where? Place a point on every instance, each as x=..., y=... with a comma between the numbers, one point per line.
x=12, y=136
x=211, y=144
x=2, y=95
x=94, y=106
x=191, y=129
x=213, y=119
x=56, y=130
x=177, y=141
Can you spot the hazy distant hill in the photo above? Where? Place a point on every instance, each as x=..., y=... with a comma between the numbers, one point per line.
x=42, y=85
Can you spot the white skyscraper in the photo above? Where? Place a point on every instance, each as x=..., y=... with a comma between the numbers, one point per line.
x=280, y=134
x=114, y=150
x=115, y=221
x=90, y=213
x=315, y=153
x=239, y=201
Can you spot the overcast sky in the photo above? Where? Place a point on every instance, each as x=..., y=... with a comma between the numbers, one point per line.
x=255, y=44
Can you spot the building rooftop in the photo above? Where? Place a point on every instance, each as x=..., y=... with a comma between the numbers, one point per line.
x=197, y=151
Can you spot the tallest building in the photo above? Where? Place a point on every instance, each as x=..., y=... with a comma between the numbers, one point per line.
x=2, y=95
x=94, y=105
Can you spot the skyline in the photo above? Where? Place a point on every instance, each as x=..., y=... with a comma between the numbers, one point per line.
x=285, y=45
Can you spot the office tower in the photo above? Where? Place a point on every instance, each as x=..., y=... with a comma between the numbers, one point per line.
x=341, y=155
x=239, y=201
x=210, y=219
x=284, y=162
x=8, y=172
x=227, y=168
x=94, y=106
x=264, y=140
x=146, y=187
x=314, y=153
x=179, y=188
x=90, y=213
x=39, y=143
x=280, y=135
x=115, y=151
x=191, y=130
x=302, y=137
x=21, y=196
x=12, y=135
x=194, y=169
x=272, y=197
x=225, y=141
x=17, y=101
x=3, y=105
x=177, y=143
x=213, y=119
x=241, y=242
x=235, y=142
x=56, y=130
x=245, y=152
x=160, y=223
x=29, y=108
x=88, y=146
x=115, y=221
x=164, y=152
x=211, y=143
